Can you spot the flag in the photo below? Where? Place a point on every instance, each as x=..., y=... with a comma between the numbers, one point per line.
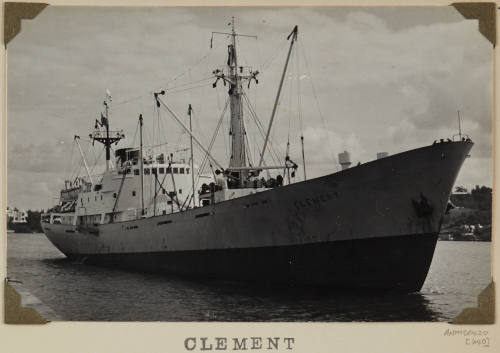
x=104, y=121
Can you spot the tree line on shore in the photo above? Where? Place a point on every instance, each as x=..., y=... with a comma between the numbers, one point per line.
x=472, y=214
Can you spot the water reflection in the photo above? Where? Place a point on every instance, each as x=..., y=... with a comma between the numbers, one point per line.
x=253, y=302
x=89, y=293
x=194, y=300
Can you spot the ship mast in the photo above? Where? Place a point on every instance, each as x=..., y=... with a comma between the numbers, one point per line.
x=238, y=155
x=237, y=131
x=190, y=110
x=107, y=140
x=237, y=162
x=141, y=164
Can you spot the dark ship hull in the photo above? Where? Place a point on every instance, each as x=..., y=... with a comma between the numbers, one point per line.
x=371, y=226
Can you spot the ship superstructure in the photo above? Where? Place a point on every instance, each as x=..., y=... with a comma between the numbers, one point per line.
x=373, y=225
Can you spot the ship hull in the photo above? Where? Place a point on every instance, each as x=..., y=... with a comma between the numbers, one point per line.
x=370, y=226
x=397, y=263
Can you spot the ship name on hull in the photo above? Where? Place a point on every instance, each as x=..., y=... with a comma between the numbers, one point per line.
x=315, y=200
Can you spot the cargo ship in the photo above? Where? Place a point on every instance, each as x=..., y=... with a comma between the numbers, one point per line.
x=372, y=225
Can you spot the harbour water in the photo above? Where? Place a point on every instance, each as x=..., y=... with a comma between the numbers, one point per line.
x=75, y=291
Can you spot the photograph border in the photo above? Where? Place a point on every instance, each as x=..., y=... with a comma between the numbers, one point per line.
x=324, y=337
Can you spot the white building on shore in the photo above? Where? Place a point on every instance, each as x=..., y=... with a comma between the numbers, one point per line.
x=18, y=216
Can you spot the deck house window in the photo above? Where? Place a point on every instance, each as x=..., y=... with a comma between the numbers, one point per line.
x=187, y=170
x=146, y=171
x=169, y=170
x=136, y=171
x=154, y=171
x=162, y=170
x=133, y=192
x=176, y=170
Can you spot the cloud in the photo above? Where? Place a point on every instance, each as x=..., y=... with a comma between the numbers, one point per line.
x=372, y=79
x=323, y=145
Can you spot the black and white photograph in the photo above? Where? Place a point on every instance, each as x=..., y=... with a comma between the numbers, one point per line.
x=249, y=164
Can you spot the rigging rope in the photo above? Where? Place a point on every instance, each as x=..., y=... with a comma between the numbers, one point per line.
x=205, y=158
x=249, y=155
x=290, y=112
x=297, y=62
x=190, y=83
x=119, y=191
x=96, y=161
x=272, y=57
x=70, y=162
x=174, y=89
x=135, y=133
x=261, y=129
x=187, y=89
x=301, y=45
x=167, y=83
x=207, y=55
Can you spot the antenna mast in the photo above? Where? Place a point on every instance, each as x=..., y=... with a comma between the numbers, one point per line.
x=106, y=140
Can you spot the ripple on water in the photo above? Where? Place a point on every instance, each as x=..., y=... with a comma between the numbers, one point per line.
x=459, y=271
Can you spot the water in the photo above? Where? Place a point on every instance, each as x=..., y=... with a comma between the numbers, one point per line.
x=459, y=271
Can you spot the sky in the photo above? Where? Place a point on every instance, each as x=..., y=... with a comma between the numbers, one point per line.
x=369, y=80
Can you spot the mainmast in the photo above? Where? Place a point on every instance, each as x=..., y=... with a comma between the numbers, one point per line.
x=238, y=155
x=238, y=171
x=234, y=78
